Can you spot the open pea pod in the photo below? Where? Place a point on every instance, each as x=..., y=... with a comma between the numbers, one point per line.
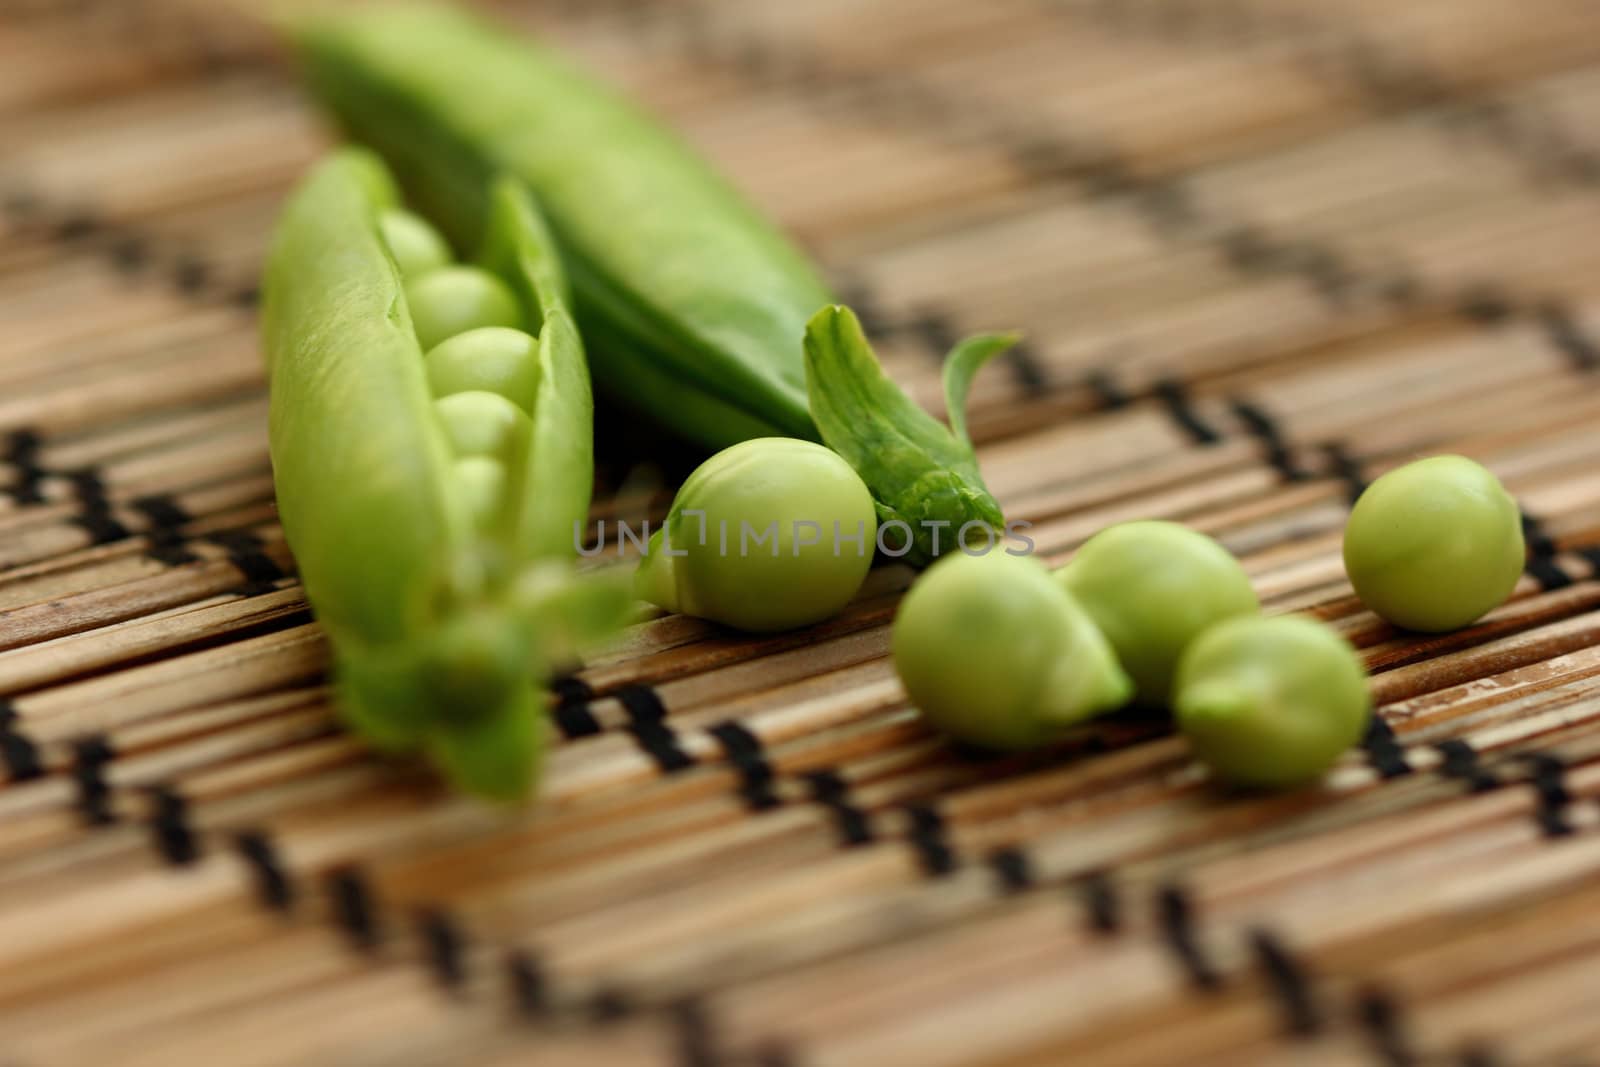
x=692, y=305
x=442, y=590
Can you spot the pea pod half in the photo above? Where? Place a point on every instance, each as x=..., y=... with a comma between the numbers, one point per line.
x=694, y=307
x=432, y=560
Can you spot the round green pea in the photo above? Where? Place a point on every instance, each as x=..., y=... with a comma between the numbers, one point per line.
x=1434, y=545
x=1271, y=702
x=483, y=424
x=494, y=359
x=482, y=483
x=997, y=654
x=416, y=246
x=1152, y=587
x=452, y=300
x=771, y=534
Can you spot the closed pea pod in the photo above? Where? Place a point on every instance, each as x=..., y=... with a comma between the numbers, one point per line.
x=431, y=648
x=1271, y=702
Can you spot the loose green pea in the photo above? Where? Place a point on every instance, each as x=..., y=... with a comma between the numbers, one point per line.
x=1434, y=545
x=1271, y=702
x=770, y=534
x=483, y=486
x=493, y=359
x=453, y=300
x=996, y=653
x=482, y=424
x=415, y=245
x=1153, y=587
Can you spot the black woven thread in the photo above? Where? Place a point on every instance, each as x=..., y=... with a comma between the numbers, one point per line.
x=18, y=752
x=1026, y=367
x=247, y=552
x=1264, y=428
x=1102, y=906
x=610, y=1004
x=89, y=758
x=745, y=752
x=927, y=837
x=831, y=791
x=1175, y=915
x=1478, y=1054
x=694, y=1035
x=530, y=994
x=94, y=510
x=170, y=831
x=1174, y=396
x=933, y=330
x=1542, y=551
x=1591, y=556
x=1549, y=782
x=273, y=888
x=1562, y=328
x=1379, y=1016
x=1461, y=762
x=354, y=910
x=165, y=533
x=573, y=716
x=22, y=453
x=1107, y=390
x=1384, y=751
x=1346, y=468
x=1290, y=984
x=444, y=947
x=647, y=722
x=1012, y=868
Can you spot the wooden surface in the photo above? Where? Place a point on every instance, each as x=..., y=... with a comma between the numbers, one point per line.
x=1262, y=251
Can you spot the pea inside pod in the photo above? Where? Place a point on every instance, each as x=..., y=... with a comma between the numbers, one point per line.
x=412, y=515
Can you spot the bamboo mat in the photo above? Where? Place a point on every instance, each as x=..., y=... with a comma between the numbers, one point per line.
x=1261, y=250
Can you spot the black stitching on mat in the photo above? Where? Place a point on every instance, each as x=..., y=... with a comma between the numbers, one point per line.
x=831, y=791
x=247, y=552
x=169, y=825
x=1107, y=389
x=89, y=758
x=22, y=452
x=748, y=758
x=1101, y=903
x=1384, y=751
x=774, y=1052
x=572, y=713
x=167, y=518
x=1346, y=468
x=927, y=837
x=1174, y=395
x=696, y=1039
x=17, y=751
x=933, y=330
x=1290, y=984
x=94, y=513
x=611, y=1004
x=1026, y=368
x=1539, y=542
x=1176, y=915
x=444, y=945
x=530, y=991
x=1478, y=1054
x=1541, y=555
x=354, y=909
x=1265, y=428
x=1591, y=556
x=1461, y=761
x=1011, y=866
x=647, y=723
x=273, y=887
x=1562, y=328
x=1549, y=781
x=1379, y=1015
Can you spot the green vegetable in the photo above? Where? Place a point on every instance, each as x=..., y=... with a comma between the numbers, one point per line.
x=1271, y=702
x=1434, y=545
x=416, y=246
x=995, y=653
x=692, y=304
x=770, y=534
x=1153, y=587
x=414, y=520
x=493, y=359
x=453, y=300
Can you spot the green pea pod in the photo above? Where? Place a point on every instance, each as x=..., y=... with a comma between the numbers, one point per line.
x=692, y=305
x=435, y=648
x=923, y=477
